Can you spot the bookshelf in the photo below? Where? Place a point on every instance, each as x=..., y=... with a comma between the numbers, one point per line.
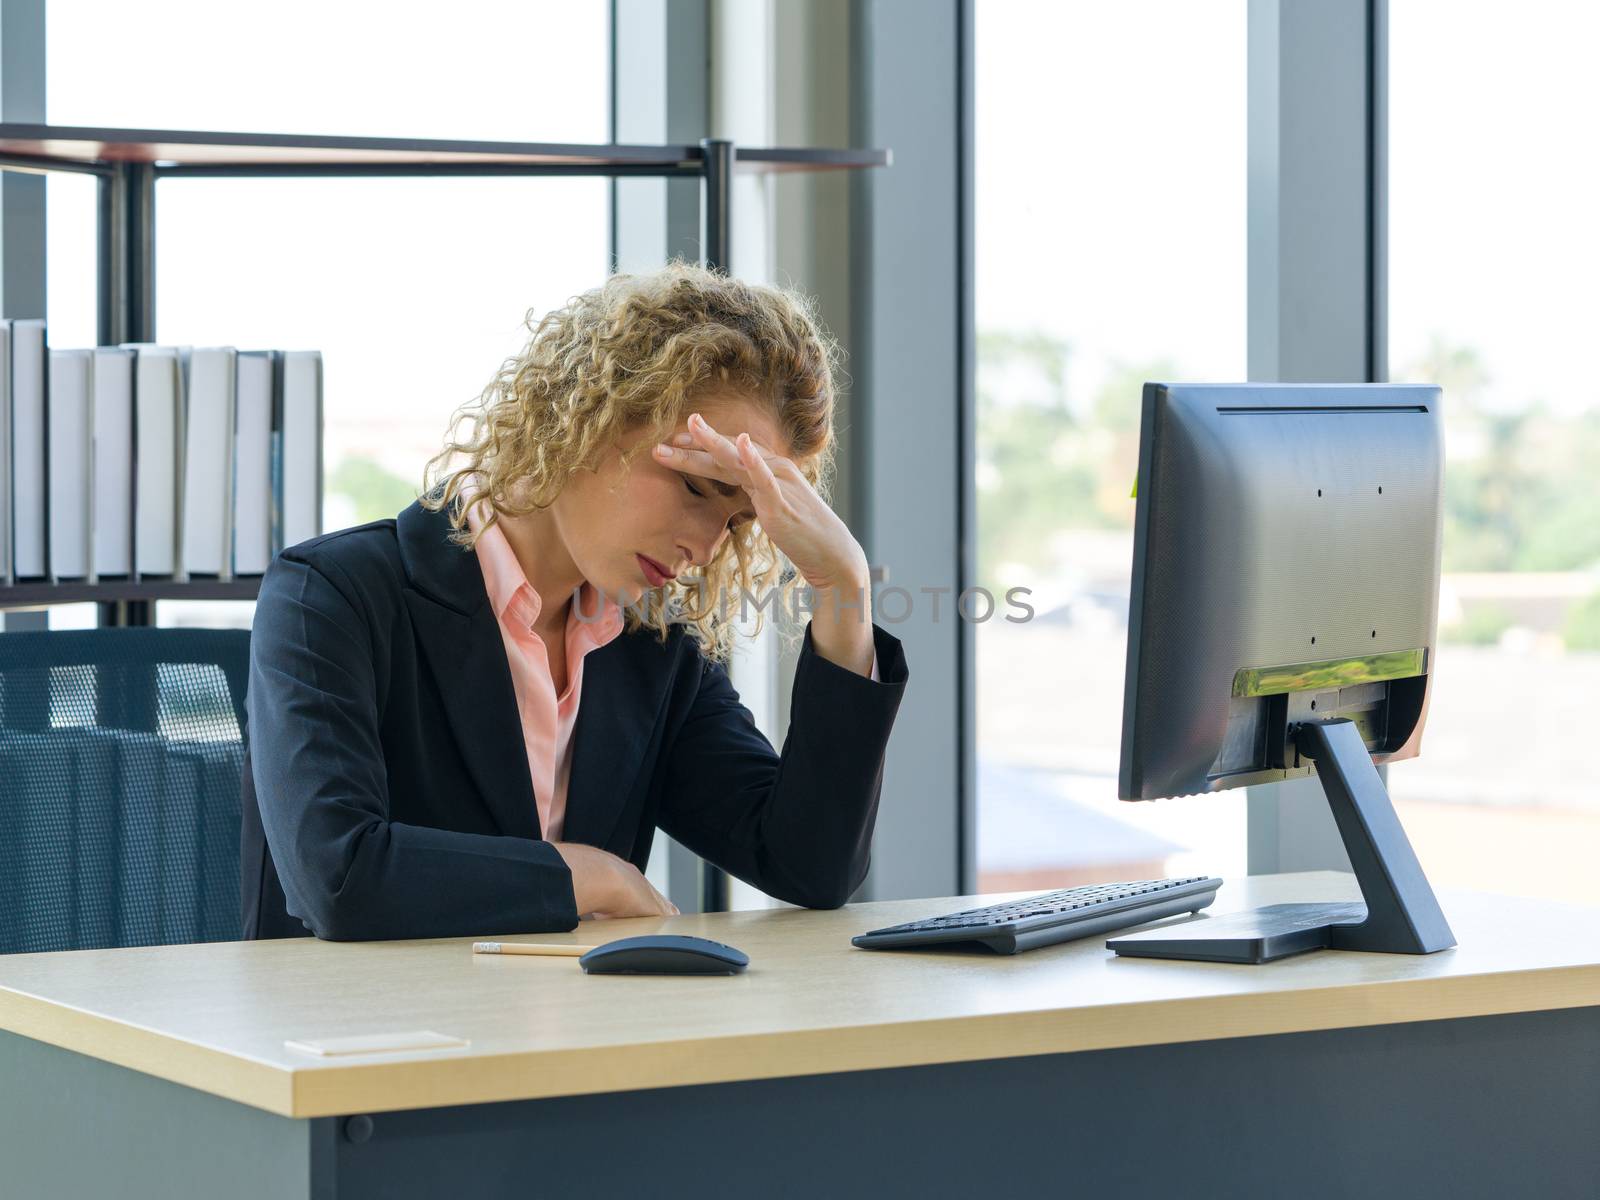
x=129, y=162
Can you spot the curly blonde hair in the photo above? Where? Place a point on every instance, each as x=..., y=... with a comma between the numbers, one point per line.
x=638, y=352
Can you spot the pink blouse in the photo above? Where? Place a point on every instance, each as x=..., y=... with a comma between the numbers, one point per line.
x=547, y=719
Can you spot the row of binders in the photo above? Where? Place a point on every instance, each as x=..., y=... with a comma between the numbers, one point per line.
x=144, y=461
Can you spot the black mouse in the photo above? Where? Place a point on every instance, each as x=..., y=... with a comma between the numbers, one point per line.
x=664, y=954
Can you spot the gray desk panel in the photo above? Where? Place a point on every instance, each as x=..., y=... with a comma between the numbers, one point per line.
x=1480, y=1107
x=75, y=1127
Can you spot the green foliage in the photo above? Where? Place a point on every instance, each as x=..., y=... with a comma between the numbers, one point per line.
x=1032, y=496
x=1582, y=631
x=1520, y=491
x=1523, y=498
x=1022, y=496
x=1049, y=461
x=375, y=492
x=1120, y=400
x=1482, y=625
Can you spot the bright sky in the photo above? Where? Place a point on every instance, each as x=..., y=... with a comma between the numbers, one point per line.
x=1111, y=179
x=1494, y=162
x=1111, y=186
x=415, y=290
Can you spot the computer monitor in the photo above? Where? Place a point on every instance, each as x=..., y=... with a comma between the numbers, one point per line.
x=1281, y=623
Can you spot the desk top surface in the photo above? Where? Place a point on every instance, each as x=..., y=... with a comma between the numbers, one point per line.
x=216, y=1017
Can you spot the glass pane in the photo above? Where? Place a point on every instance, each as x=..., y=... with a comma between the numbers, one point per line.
x=492, y=70
x=414, y=289
x=1110, y=250
x=1493, y=250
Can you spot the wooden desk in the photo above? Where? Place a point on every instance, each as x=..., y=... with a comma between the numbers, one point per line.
x=807, y=1074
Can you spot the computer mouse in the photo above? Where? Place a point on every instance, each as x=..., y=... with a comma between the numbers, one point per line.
x=664, y=954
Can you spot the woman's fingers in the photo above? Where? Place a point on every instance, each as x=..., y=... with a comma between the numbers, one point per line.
x=643, y=900
x=667, y=907
x=760, y=473
x=718, y=458
x=721, y=448
x=744, y=462
x=727, y=453
x=698, y=462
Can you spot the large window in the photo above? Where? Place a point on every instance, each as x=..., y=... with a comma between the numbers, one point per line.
x=414, y=289
x=1493, y=251
x=1110, y=233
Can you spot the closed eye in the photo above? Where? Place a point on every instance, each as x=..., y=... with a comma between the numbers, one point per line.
x=725, y=489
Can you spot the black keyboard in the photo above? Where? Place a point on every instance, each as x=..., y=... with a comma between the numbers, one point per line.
x=1052, y=917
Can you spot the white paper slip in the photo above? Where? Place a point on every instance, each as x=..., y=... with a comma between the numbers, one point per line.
x=378, y=1043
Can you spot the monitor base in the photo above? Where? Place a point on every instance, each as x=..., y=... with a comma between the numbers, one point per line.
x=1400, y=914
x=1255, y=935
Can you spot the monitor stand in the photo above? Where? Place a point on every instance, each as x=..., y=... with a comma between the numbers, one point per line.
x=1400, y=914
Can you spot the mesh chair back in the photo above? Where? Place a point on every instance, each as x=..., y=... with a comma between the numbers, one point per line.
x=120, y=762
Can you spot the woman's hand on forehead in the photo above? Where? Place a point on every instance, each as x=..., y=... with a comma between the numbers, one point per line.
x=684, y=454
x=796, y=519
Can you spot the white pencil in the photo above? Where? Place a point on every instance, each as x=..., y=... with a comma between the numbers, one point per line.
x=555, y=948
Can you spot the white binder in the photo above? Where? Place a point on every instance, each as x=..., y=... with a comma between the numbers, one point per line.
x=29, y=376
x=258, y=374
x=5, y=452
x=158, y=459
x=207, y=519
x=299, y=476
x=71, y=459
x=112, y=491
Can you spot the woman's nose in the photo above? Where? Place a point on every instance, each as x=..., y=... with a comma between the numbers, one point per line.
x=701, y=544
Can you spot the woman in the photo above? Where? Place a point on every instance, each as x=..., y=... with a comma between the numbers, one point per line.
x=418, y=761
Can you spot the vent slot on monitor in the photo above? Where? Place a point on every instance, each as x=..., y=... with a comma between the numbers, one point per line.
x=1247, y=410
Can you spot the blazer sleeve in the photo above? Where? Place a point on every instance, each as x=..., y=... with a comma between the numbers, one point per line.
x=348, y=871
x=797, y=825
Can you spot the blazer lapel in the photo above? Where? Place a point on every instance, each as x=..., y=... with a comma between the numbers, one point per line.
x=461, y=641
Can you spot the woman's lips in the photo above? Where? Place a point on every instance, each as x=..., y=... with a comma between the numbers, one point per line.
x=652, y=571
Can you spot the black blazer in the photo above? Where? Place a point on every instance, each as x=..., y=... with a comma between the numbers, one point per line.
x=386, y=785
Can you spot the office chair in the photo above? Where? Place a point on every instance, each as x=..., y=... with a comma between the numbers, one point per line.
x=120, y=763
